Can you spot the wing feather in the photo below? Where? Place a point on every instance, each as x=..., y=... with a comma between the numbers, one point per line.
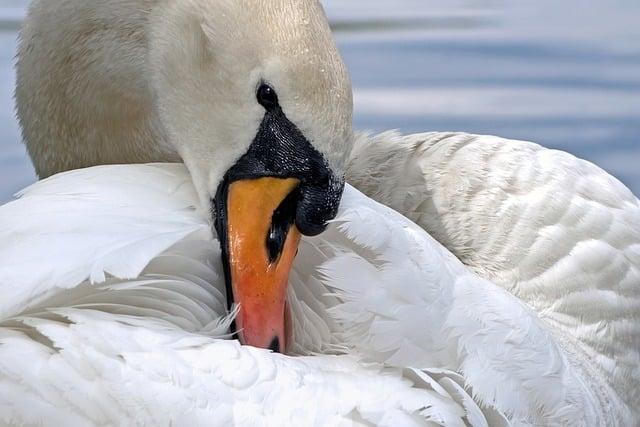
x=61, y=231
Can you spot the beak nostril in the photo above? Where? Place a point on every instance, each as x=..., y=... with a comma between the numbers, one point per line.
x=283, y=218
x=275, y=345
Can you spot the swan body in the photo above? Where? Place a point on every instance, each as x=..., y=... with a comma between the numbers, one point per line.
x=147, y=283
x=536, y=305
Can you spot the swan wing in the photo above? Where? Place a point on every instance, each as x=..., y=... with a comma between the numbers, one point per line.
x=91, y=224
x=90, y=367
x=115, y=308
x=555, y=231
x=405, y=300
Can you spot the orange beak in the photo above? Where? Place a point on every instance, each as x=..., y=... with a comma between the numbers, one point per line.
x=261, y=243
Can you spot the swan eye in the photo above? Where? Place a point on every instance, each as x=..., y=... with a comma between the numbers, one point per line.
x=267, y=97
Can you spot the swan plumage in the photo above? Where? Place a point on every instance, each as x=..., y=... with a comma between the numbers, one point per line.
x=395, y=297
x=556, y=231
x=136, y=317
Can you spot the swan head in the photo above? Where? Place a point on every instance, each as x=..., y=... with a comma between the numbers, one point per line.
x=257, y=101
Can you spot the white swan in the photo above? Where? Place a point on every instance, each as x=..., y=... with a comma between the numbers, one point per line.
x=111, y=97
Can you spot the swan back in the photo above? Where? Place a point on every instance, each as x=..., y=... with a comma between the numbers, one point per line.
x=557, y=232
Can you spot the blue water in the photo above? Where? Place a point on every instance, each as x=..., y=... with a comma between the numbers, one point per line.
x=563, y=74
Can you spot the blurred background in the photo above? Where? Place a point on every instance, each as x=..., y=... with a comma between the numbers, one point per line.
x=565, y=74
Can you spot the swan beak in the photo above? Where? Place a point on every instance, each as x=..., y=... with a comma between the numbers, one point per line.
x=262, y=242
x=280, y=189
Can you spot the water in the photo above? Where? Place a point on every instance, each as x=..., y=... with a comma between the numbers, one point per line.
x=15, y=169
x=563, y=74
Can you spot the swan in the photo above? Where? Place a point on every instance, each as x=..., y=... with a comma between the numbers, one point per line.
x=249, y=89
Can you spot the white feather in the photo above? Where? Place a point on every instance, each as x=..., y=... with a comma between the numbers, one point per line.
x=61, y=232
x=135, y=371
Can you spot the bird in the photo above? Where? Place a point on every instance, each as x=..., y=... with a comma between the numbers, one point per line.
x=253, y=97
